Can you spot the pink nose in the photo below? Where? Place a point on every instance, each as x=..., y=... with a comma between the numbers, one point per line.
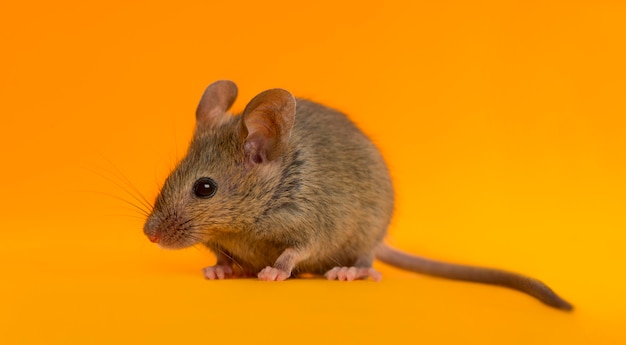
x=154, y=238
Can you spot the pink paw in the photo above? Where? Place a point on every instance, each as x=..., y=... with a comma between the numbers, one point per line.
x=217, y=272
x=352, y=273
x=273, y=274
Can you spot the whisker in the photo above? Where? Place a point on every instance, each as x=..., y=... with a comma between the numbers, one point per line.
x=135, y=207
x=141, y=203
x=119, y=174
x=232, y=259
x=132, y=217
x=117, y=178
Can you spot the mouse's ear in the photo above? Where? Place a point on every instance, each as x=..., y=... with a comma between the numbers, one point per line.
x=216, y=100
x=267, y=123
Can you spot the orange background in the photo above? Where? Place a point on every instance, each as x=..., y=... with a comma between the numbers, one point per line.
x=503, y=124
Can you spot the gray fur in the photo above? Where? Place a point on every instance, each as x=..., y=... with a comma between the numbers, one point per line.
x=337, y=208
x=300, y=190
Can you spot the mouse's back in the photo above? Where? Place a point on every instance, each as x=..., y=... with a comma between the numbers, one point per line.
x=342, y=178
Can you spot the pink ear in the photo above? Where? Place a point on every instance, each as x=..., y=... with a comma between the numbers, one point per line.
x=216, y=100
x=267, y=123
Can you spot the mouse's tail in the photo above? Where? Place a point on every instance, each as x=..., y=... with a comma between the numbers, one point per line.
x=511, y=280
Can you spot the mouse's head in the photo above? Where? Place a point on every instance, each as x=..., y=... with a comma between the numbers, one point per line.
x=231, y=166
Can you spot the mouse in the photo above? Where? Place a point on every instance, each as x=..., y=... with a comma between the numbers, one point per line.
x=288, y=188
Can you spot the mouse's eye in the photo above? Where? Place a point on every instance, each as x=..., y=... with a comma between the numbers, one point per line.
x=204, y=188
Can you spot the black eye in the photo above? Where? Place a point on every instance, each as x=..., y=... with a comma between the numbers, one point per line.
x=204, y=188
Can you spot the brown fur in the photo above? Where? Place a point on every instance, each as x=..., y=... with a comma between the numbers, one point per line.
x=337, y=209
x=300, y=189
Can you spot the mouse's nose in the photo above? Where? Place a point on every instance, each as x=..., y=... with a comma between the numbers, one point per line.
x=151, y=230
x=154, y=238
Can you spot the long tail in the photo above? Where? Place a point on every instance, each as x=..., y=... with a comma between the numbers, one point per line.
x=511, y=280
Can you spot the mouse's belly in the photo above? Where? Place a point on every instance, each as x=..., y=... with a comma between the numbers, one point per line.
x=250, y=258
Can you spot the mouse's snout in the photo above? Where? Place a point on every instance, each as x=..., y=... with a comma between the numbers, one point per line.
x=150, y=229
x=153, y=238
x=171, y=232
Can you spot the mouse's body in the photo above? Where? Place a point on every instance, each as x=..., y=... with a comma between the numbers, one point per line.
x=290, y=187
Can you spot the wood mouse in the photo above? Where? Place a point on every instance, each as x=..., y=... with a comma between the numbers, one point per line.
x=291, y=187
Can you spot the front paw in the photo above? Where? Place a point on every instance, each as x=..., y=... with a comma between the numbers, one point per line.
x=273, y=274
x=217, y=272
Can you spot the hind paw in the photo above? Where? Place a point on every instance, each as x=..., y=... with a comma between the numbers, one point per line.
x=352, y=273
